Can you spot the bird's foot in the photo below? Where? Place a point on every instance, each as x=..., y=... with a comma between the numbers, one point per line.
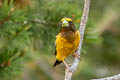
x=70, y=64
x=69, y=69
x=76, y=55
x=67, y=66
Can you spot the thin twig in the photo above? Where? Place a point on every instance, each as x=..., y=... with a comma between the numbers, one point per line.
x=38, y=21
x=115, y=77
x=68, y=73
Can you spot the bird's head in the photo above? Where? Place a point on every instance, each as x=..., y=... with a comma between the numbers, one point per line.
x=66, y=22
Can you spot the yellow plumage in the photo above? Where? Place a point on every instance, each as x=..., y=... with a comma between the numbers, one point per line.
x=68, y=19
x=64, y=47
x=67, y=40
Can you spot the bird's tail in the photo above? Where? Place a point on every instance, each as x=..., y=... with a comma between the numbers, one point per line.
x=57, y=62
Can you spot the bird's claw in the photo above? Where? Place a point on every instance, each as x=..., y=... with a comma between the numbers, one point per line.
x=77, y=55
x=67, y=67
x=70, y=64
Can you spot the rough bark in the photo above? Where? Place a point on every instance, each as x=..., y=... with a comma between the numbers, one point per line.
x=68, y=73
x=115, y=77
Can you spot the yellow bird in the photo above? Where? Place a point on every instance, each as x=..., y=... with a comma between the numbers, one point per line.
x=67, y=41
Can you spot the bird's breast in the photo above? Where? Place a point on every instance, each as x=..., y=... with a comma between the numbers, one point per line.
x=69, y=36
x=67, y=43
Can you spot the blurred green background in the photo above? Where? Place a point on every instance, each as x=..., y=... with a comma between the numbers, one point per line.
x=27, y=34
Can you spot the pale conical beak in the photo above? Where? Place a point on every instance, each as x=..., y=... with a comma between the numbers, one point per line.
x=65, y=23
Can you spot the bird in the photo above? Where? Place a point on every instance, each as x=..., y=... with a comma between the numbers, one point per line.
x=67, y=41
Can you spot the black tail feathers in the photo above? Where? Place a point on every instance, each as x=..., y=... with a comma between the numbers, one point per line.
x=57, y=62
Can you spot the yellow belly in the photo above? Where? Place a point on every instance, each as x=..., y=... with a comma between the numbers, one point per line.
x=64, y=47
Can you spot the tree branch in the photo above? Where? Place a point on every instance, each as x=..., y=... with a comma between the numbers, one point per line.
x=115, y=77
x=68, y=74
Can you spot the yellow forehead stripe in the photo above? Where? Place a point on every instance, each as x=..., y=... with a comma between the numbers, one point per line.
x=68, y=19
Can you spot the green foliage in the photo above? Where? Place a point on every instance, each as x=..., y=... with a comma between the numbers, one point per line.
x=32, y=31
x=13, y=40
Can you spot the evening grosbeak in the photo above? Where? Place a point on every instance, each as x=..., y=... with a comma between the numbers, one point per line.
x=67, y=41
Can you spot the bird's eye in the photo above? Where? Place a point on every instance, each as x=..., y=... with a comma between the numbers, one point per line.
x=70, y=22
